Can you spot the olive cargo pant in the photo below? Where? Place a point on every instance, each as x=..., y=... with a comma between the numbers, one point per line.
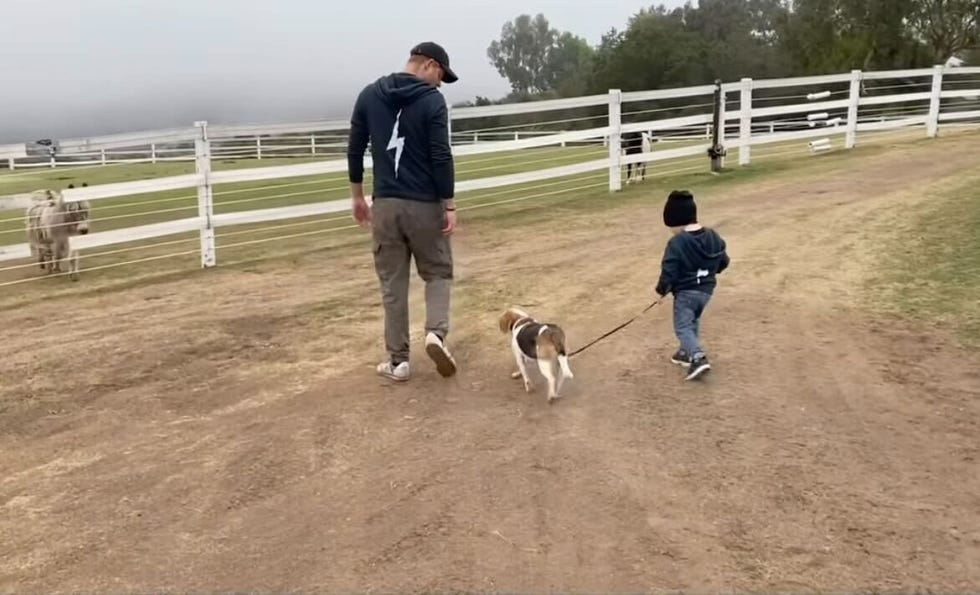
x=402, y=229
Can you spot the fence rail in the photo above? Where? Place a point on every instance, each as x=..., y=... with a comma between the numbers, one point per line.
x=746, y=112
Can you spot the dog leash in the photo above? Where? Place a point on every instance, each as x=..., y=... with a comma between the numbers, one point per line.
x=618, y=328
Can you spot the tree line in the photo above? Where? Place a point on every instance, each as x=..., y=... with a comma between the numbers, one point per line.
x=731, y=39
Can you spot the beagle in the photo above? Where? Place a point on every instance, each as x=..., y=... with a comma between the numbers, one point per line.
x=531, y=340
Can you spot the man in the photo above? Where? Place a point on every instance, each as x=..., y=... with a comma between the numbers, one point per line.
x=412, y=212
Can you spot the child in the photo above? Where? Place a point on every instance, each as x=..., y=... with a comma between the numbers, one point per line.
x=691, y=260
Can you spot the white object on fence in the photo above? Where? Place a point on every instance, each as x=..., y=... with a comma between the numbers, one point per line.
x=615, y=144
x=834, y=122
x=818, y=116
x=745, y=123
x=205, y=198
x=820, y=95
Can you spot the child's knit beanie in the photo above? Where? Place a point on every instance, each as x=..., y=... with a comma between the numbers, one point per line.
x=680, y=209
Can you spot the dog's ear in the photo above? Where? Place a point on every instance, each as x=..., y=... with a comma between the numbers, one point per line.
x=505, y=321
x=509, y=319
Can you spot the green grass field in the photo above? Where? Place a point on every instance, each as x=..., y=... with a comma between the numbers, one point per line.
x=933, y=271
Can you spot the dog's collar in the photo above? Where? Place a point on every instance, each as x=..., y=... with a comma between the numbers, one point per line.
x=522, y=321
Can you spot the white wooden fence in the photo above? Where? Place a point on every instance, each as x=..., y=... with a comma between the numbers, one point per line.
x=752, y=116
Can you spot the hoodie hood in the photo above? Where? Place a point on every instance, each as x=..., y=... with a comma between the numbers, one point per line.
x=401, y=89
x=702, y=244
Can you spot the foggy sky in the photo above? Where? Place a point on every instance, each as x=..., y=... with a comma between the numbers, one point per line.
x=88, y=67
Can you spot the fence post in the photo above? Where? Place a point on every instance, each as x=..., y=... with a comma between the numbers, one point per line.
x=850, y=138
x=745, y=126
x=153, y=152
x=717, y=150
x=205, y=201
x=313, y=144
x=932, y=124
x=258, y=147
x=615, y=139
x=102, y=156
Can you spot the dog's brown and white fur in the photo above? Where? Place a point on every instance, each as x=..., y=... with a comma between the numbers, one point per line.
x=531, y=340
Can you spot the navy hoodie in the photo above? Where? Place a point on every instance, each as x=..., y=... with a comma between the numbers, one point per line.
x=407, y=122
x=691, y=261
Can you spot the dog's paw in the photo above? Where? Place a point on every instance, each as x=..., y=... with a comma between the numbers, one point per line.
x=516, y=375
x=529, y=386
x=553, y=398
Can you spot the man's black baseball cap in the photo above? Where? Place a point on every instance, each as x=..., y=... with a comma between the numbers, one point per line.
x=435, y=51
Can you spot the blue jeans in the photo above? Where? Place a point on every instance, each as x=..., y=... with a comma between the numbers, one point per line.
x=688, y=307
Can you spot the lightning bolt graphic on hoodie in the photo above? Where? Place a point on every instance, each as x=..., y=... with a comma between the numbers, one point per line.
x=397, y=143
x=406, y=122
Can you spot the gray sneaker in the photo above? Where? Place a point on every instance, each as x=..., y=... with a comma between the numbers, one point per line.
x=399, y=373
x=434, y=347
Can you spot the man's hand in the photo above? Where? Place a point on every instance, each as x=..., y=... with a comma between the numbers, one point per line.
x=450, y=214
x=362, y=212
x=359, y=205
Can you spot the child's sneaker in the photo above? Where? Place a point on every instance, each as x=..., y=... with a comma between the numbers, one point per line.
x=445, y=364
x=399, y=373
x=681, y=359
x=698, y=366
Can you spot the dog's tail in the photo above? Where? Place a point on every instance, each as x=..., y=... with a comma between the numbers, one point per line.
x=555, y=347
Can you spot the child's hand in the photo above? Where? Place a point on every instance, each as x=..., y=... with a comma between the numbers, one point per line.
x=662, y=289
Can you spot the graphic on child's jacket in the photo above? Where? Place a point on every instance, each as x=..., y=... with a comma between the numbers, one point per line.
x=691, y=260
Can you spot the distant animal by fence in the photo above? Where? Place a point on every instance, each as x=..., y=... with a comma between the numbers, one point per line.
x=50, y=223
x=634, y=143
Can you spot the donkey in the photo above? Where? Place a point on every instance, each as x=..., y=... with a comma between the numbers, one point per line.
x=50, y=223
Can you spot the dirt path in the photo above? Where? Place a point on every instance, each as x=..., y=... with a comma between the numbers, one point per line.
x=167, y=439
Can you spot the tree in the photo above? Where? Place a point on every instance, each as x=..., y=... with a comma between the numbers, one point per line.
x=536, y=58
x=946, y=26
x=738, y=37
x=521, y=53
x=568, y=65
x=655, y=51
